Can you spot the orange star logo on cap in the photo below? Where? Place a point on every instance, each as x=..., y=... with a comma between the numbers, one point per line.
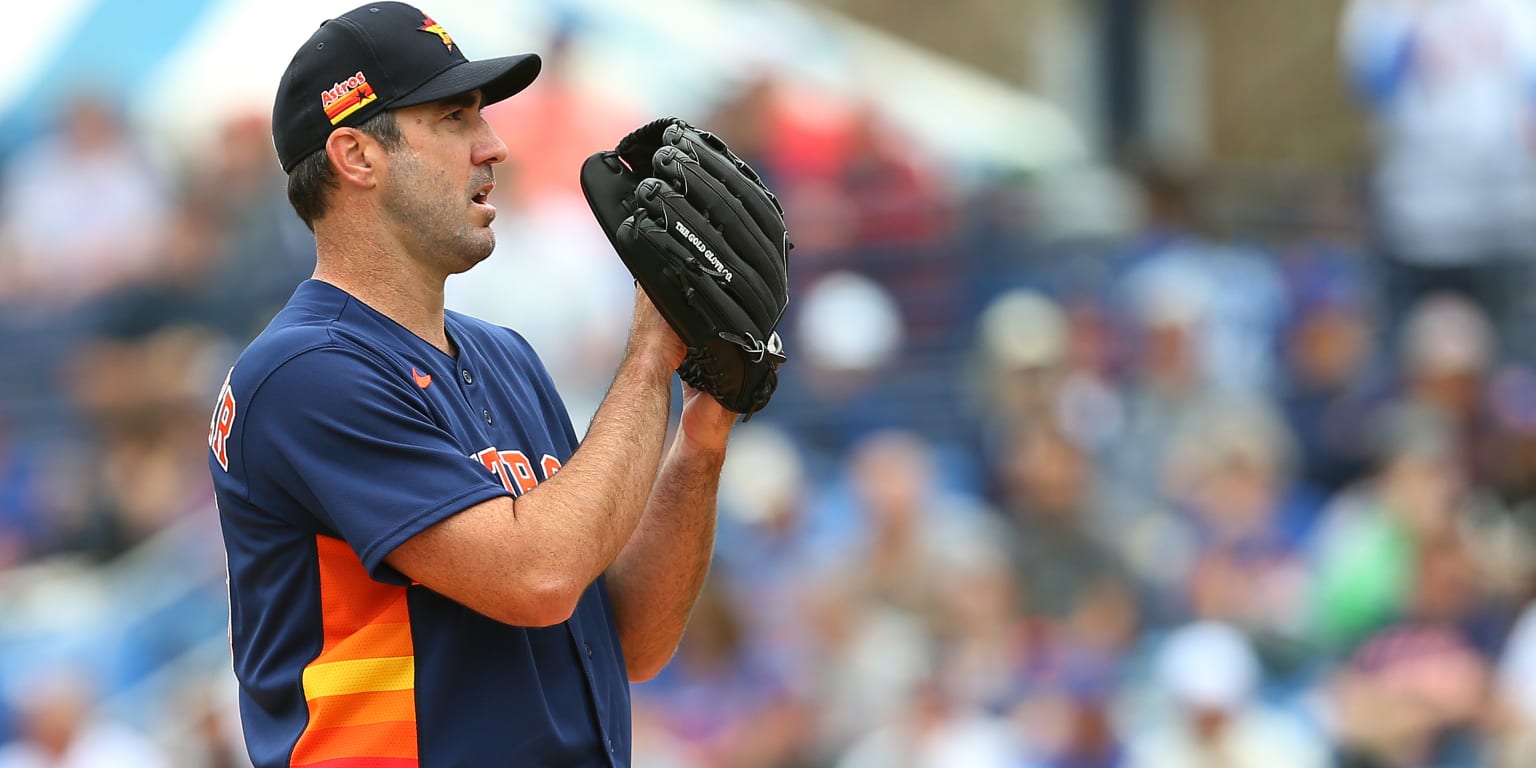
x=428, y=25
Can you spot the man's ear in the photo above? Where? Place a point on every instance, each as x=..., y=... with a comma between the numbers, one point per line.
x=353, y=154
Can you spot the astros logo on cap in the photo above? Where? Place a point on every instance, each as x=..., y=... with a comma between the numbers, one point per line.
x=346, y=97
x=428, y=25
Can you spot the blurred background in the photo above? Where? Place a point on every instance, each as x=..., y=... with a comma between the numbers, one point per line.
x=1161, y=386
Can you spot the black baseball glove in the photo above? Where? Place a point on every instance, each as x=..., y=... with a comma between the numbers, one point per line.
x=706, y=241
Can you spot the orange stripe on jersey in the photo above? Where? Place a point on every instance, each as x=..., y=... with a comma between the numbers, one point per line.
x=364, y=708
x=350, y=600
x=356, y=741
x=382, y=640
x=367, y=762
x=361, y=688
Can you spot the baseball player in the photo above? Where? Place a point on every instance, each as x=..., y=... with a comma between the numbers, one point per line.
x=424, y=567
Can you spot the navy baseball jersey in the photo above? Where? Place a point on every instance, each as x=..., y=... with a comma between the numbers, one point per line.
x=337, y=436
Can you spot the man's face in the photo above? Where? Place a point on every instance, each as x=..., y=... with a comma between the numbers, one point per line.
x=436, y=186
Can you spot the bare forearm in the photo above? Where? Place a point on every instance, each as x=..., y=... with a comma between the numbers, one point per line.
x=590, y=508
x=658, y=577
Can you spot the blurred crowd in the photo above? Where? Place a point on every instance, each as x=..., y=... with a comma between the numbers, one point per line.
x=1138, y=465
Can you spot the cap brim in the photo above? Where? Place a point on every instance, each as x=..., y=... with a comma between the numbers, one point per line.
x=496, y=79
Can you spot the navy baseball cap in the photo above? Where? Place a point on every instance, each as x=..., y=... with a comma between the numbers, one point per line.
x=375, y=57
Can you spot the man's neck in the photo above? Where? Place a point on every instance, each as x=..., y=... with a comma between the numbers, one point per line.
x=389, y=282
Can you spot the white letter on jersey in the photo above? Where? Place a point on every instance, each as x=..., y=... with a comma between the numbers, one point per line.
x=223, y=419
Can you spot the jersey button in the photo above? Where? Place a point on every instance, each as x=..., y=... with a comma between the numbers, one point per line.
x=487, y=414
x=468, y=378
x=610, y=745
x=588, y=646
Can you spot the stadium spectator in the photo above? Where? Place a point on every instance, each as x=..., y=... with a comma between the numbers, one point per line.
x=1211, y=678
x=54, y=256
x=60, y=729
x=1448, y=86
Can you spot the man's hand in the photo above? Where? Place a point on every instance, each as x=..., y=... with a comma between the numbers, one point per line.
x=706, y=424
x=649, y=333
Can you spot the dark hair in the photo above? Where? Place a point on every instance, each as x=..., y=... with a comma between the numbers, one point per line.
x=313, y=177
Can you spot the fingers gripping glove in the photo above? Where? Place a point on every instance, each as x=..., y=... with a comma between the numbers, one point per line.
x=706, y=241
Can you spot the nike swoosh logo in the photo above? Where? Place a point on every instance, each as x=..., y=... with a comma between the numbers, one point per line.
x=423, y=380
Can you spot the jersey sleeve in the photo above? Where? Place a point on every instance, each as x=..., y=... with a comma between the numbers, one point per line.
x=336, y=433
